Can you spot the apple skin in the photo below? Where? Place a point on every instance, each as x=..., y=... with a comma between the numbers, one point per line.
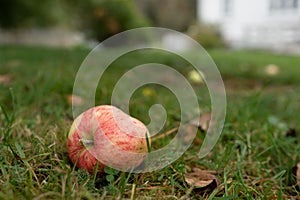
x=106, y=136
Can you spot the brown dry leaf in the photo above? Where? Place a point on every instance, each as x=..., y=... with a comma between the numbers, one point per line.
x=190, y=127
x=203, y=122
x=5, y=79
x=202, y=178
x=76, y=100
x=188, y=134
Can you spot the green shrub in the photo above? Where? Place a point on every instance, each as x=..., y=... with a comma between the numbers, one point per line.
x=99, y=19
x=102, y=19
x=28, y=13
x=208, y=36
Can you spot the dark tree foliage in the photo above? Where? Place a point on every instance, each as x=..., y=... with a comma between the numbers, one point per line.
x=104, y=18
x=24, y=13
x=99, y=19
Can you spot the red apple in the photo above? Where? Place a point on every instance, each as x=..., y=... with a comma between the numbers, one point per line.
x=107, y=136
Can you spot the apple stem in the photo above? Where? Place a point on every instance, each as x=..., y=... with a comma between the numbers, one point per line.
x=148, y=143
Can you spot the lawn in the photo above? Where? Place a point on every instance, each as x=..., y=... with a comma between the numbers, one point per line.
x=253, y=158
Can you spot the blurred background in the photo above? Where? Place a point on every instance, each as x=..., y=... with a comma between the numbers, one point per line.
x=268, y=24
x=71, y=23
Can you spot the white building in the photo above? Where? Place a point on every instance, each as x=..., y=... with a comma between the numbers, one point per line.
x=273, y=24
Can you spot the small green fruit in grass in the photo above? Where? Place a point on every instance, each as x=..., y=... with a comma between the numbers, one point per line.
x=106, y=136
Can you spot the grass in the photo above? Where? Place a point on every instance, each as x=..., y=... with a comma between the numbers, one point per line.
x=253, y=157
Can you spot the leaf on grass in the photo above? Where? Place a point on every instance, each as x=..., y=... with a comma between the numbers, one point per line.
x=272, y=70
x=5, y=79
x=296, y=172
x=20, y=151
x=148, y=92
x=203, y=122
x=202, y=178
x=75, y=100
x=195, y=76
x=187, y=135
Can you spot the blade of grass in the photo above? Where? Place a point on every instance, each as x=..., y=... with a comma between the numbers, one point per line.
x=20, y=151
x=7, y=119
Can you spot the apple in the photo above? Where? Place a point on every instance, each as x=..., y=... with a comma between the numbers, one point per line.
x=106, y=136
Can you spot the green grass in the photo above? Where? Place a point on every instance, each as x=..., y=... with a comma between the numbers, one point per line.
x=253, y=157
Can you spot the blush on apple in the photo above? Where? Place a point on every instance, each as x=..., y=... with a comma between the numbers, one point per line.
x=106, y=136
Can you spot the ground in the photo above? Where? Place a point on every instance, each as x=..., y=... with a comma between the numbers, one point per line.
x=253, y=158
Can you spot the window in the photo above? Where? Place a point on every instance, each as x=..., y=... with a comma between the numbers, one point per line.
x=283, y=4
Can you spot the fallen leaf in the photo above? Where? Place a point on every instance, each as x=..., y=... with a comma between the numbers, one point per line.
x=296, y=172
x=203, y=122
x=189, y=129
x=148, y=92
x=195, y=76
x=5, y=79
x=272, y=70
x=202, y=178
x=75, y=100
x=188, y=134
